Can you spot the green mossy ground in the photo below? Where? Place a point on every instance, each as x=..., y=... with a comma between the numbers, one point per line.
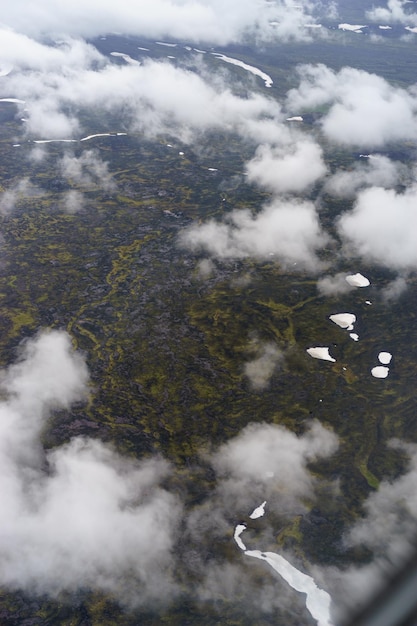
x=166, y=349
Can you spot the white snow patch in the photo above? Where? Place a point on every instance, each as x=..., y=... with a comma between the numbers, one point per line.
x=212, y=169
x=385, y=358
x=145, y=49
x=96, y=135
x=295, y=118
x=344, y=320
x=249, y=68
x=357, y=280
x=259, y=511
x=380, y=371
x=13, y=100
x=411, y=29
x=368, y=302
x=317, y=601
x=355, y=28
x=164, y=43
x=125, y=57
x=238, y=531
x=354, y=336
x=55, y=140
x=385, y=27
x=321, y=353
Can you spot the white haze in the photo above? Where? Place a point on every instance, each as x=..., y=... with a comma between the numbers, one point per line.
x=73, y=201
x=79, y=515
x=394, y=289
x=388, y=528
x=22, y=189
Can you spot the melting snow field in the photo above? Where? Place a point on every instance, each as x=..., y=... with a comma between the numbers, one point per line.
x=385, y=358
x=168, y=45
x=259, y=511
x=249, y=68
x=344, y=320
x=13, y=100
x=238, y=531
x=357, y=280
x=355, y=28
x=87, y=138
x=125, y=57
x=380, y=371
x=320, y=353
x=318, y=601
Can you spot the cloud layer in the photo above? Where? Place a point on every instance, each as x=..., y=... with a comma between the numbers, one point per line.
x=80, y=515
x=193, y=21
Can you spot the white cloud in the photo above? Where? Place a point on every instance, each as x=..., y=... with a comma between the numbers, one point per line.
x=382, y=227
x=260, y=369
x=20, y=190
x=24, y=53
x=265, y=459
x=333, y=285
x=390, y=519
x=80, y=515
x=365, y=110
x=287, y=169
x=377, y=171
x=156, y=97
x=387, y=528
x=215, y=21
x=393, y=12
x=73, y=201
x=290, y=231
x=394, y=289
x=87, y=170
